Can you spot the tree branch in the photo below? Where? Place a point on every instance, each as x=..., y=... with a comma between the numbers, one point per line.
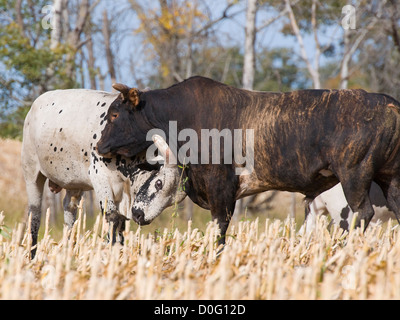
x=20, y=21
x=222, y=17
x=109, y=54
x=315, y=32
x=273, y=19
x=303, y=52
x=350, y=50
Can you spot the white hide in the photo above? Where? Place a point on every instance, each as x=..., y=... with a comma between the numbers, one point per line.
x=334, y=203
x=60, y=134
x=150, y=199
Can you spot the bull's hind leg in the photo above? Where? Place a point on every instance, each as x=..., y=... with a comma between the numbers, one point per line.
x=356, y=190
x=71, y=202
x=34, y=189
x=391, y=191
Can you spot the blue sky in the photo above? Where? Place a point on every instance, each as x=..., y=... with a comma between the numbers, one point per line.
x=128, y=46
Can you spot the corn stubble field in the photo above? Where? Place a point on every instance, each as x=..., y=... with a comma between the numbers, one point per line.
x=262, y=260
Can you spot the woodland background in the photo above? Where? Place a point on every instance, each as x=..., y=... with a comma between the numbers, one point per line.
x=262, y=45
x=265, y=45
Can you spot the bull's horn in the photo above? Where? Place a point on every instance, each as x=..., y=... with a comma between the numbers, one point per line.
x=131, y=94
x=124, y=89
x=165, y=151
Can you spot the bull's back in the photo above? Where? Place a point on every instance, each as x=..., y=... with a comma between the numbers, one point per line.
x=61, y=130
x=300, y=137
x=299, y=134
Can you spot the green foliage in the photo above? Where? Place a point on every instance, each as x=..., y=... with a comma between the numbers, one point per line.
x=328, y=14
x=28, y=67
x=31, y=63
x=278, y=70
x=183, y=38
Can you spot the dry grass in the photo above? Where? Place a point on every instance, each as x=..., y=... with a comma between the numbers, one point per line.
x=12, y=180
x=12, y=185
x=262, y=260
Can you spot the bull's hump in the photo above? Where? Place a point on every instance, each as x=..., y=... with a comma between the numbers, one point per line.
x=78, y=106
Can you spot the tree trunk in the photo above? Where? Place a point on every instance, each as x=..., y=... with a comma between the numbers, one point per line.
x=314, y=72
x=344, y=68
x=249, y=50
x=74, y=37
x=20, y=20
x=351, y=45
x=91, y=62
x=109, y=54
x=56, y=32
x=249, y=66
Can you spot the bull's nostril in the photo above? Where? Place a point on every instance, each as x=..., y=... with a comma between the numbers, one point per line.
x=102, y=149
x=138, y=216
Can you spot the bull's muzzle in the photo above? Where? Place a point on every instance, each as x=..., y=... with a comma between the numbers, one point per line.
x=138, y=217
x=104, y=151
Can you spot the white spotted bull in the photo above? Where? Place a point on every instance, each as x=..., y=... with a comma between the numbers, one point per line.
x=60, y=134
x=160, y=189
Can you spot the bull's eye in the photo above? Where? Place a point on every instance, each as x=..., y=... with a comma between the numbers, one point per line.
x=114, y=116
x=159, y=185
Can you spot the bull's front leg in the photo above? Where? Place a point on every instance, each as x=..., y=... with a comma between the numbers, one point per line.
x=115, y=220
x=222, y=200
x=109, y=194
x=223, y=220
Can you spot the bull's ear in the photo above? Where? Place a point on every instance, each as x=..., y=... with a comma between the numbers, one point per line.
x=134, y=96
x=131, y=94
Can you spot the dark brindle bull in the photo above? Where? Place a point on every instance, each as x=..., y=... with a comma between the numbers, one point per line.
x=305, y=141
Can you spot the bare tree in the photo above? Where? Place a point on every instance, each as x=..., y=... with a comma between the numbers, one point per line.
x=249, y=50
x=73, y=37
x=378, y=56
x=20, y=20
x=56, y=32
x=175, y=31
x=352, y=39
x=251, y=30
x=313, y=70
x=107, y=43
x=91, y=61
